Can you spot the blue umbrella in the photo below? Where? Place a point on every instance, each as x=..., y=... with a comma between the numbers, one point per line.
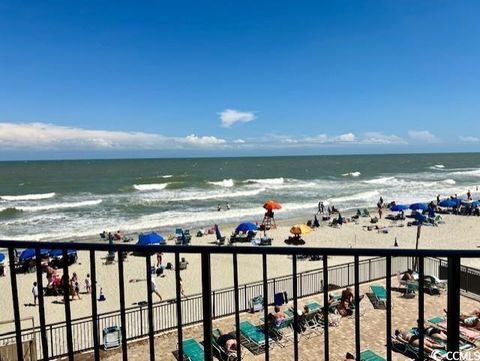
x=59, y=252
x=450, y=203
x=246, y=227
x=2, y=257
x=29, y=254
x=399, y=207
x=146, y=239
x=475, y=204
x=417, y=206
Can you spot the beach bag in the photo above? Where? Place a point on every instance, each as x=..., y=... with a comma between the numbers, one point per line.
x=256, y=304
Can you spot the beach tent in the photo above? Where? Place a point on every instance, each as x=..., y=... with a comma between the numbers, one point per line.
x=59, y=252
x=399, y=207
x=417, y=206
x=2, y=257
x=146, y=239
x=300, y=229
x=29, y=254
x=246, y=227
x=450, y=203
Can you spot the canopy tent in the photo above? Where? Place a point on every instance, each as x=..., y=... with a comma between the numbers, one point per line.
x=417, y=206
x=146, y=239
x=59, y=252
x=246, y=227
x=29, y=254
x=399, y=207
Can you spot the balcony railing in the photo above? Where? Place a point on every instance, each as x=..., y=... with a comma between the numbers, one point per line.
x=58, y=339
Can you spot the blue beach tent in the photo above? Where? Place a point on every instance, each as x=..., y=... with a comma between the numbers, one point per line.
x=29, y=254
x=59, y=252
x=417, y=206
x=246, y=227
x=146, y=239
x=450, y=203
x=399, y=207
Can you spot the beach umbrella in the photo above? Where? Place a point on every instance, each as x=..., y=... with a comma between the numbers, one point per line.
x=59, y=252
x=2, y=257
x=417, y=206
x=246, y=227
x=145, y=239
x=399, y=207
x=450, y=203
x=271, y=204
x=475, y=204
x=29, y=254
x=300, y=229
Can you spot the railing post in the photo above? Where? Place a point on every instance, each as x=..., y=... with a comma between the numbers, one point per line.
x=389, y=307
x=213, y=303
x=295, y=308
x=325, y=308
x=237, y=310
x=151, y=340
x=178, y=286
x=41, y=304
x=93, y=278
x=66, y=298
x=453, y=303
x=421, y=306
x=207, y=306
x=357, y=308
x=121, y=285
x=265, y=306
x=16, y=308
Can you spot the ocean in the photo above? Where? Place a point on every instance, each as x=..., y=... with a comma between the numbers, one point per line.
x=55, y=200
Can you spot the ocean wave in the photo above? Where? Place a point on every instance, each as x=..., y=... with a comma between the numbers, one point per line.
x=227, y=183
x=266, y=181
x=8, y=211
x=474, y=172
x=150, y=187
x=28, y=197
x=167, y=176
x=381, y=180
x=59, y=206
x=200, y=195
x=362, y=196
x=449, y=181
x=437, y=166
x=352, y=174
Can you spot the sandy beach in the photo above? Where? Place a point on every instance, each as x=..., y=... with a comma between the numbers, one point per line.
x=458, y=232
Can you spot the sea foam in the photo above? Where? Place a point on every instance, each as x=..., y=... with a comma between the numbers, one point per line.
x=28, y=197
x=227, y=183
x=150, y=187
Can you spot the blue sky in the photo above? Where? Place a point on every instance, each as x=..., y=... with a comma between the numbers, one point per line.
x=156, y=78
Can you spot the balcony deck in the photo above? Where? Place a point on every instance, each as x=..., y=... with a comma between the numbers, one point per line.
x=342, y=338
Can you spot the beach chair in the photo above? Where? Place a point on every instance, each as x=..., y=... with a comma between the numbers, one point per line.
x=112, y=337
x=218, y=235
x=254, y=336
x=311, y=325
x=178, y=236
x=379, y=295
x=466, y=333
x=365, y=213
x=110, y=258
x=369, y=355
x=221, y=353
x=193, y=350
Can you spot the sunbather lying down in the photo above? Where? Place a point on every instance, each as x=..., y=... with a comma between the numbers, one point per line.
x=382, y=229
x=414, y=340
x=471, y=321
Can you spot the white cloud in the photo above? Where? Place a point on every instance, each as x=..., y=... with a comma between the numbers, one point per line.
x=231, y=116
x=239, y=141
x=380, y=138
x=423, y=135
x=469, y=139
x=43, y=136
x=348, y=137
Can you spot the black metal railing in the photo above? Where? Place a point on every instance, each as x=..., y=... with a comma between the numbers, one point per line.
x=82, y=334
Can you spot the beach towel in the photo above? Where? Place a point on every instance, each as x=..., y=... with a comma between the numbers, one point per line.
x=467, y=332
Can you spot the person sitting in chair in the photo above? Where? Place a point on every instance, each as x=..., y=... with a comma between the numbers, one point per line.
x=227, y=342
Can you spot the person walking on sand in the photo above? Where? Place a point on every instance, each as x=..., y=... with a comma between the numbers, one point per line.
x=75, y=287
x=380, y=212
x=35, y=293
x=154, y=286
x=159, y=259
x=88, y=284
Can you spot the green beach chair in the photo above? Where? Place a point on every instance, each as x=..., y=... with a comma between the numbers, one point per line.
x=193, y=350
x=253, y=335
x=379, y=294
x=314, y=306
x=369, y=355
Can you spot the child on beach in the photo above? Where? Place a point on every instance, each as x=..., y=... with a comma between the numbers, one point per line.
x=154, y=286
x=35, y=293
x=88, y=284
x=75, y=287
